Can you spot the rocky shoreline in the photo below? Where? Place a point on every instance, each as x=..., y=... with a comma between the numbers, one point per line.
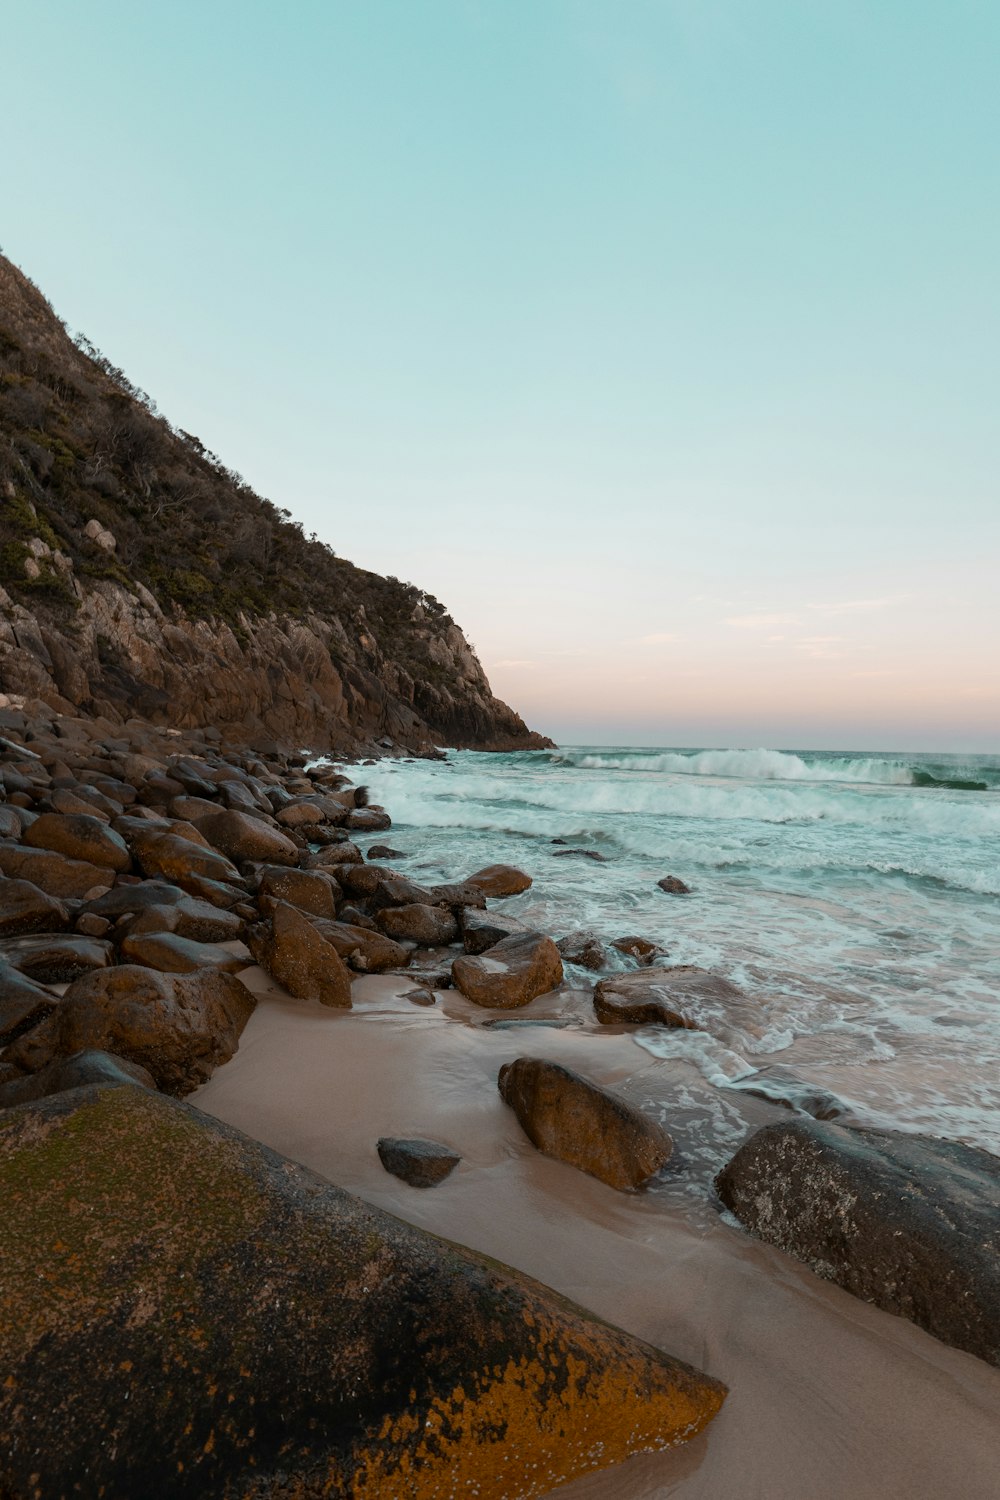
x=143, y=871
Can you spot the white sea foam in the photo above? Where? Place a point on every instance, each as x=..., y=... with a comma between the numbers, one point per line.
x=753, y=765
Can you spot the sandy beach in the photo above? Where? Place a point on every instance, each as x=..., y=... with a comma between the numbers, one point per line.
x=830, y=1398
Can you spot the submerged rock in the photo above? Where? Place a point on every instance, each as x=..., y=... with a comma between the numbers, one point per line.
x=674, y=886
x=639, y=948
x=421, y=1163
x=577, y=1122
x=511, y=973
x=584, y=949
x=216, y=1314
x=662, y=996
x=905, y=1221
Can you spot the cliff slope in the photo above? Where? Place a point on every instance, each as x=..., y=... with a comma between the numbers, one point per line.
x=141, y=577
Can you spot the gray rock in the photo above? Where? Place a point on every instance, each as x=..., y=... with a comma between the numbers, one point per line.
x=422, y=1164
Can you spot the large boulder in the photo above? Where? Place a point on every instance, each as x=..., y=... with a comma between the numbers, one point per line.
x=482, y=930
x=429, y=926
x=905, y=1221
x=23, y=1003
x=367, y=952
x=180, y=1027
x=180, y=861
x=511, y=973
x=574, y=1120
x=296, y=954
x=54, y=873
x=178, y=955
x=500, y=880
x=79, y=836
x=73, y=1072
x=199, y=921
x=661, y=996
x=25, y=908
x=58, y=957
x=240, y=836
x=215, y=1320
x=311, y=891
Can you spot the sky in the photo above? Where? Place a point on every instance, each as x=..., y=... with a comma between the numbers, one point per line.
x=659, y=339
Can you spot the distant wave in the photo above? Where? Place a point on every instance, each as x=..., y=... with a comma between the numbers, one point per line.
x=769, y=765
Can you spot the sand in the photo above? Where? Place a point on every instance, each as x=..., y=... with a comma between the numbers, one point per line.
x=830, y=1398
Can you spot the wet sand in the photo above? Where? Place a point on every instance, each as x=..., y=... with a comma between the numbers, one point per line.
x=830, y=1398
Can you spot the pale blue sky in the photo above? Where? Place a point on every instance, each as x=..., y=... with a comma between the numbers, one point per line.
x=659, y=340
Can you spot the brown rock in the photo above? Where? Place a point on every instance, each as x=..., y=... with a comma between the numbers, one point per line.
x=56, y=958
x=429, y=926
x=368, y=820
x=460, y=896
x=79, y=836
x=294, y=953
x=92, y=925
x=366, y=951
x=180, y=1027
x=584, y=949
x=310, y=891
x=125, y=899
x=178, y=955
x=52, y=872
x=570, y=1118
x=364, y=880
x=482, y=930
x=23, y=1004
x=422, y=1164
x=511, y=973
x=340, y=853
x=199, y=921
x=500, y=880
x=25, y=908
x=661, y=996
x=313, y=1344
x=396, y=890
x=674, y=886
x=241, y=836
x=178, y=860
x=73, y=1072
x=639, y=948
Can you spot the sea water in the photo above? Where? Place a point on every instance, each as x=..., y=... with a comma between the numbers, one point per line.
x=854, y=899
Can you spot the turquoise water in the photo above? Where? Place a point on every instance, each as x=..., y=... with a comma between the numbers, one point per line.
x=854, y=898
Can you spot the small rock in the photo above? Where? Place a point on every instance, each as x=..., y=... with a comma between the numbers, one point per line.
x=92, y=925
x=674, y=886
x=420, y=997
x=422, y=1164
x=382, y=851
x=639, y=948
x=584, y=949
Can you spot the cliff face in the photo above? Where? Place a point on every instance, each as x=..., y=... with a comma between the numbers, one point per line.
x=140, y=577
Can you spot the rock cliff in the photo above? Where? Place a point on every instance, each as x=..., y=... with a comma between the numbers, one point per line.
x=139, y=577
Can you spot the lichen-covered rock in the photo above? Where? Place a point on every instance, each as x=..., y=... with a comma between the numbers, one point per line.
x=79, y=836
x=511, y=973
x=73, y=1072
x=905, y=1221
x=574, y=1120
x=421, y=1163
x=500, y=880
x=215, y=1320
x=180, y=1027
x=295, y=953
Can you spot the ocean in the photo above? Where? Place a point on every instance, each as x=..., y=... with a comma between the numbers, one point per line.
x=854, y=898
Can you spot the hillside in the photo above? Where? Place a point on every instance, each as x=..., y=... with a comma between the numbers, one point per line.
x=139, y=576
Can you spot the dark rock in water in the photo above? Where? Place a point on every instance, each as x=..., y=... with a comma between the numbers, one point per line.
x=180, y=1027
x=905, y=1221
x=584, y=949
x=23, y=1004
x=460, y=895
x=173, y=954
x=295, y=953
x=368, y=820
x=584, y=853
x=382, y=851
x=778, y=1086
x=342, y=852
x=500, y=880
x=674, y=886
x=429, y=926
x=25, y=908
x=482, y=930
x=574, y=1120
x=73, y=1072
x=218, y=1321
x=421, y=1163
x=660, y=996
x=420, y=997
x=395, y=890
x=521, y=1023
x=56, y=958
x=639, y=948
x=510, y=974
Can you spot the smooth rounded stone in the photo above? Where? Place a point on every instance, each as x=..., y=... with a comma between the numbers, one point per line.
x=310, y=891
x=156, y=786
x=314, y=1344
x=460, y=896
x=584, y=949
x=291, y=949
x=23, y=1003
x=908, y=1222
x=240, y=836
x=661, y=996
x=227, y=897
x=178, y=955
x=482, y=930
x=180, y=1027
x=169, y=857
x=25, y=908
x=90, y=1066
x=364, y=880
x=368, y=820
x=114, y=790
x=639, y=948
x=343, y=852
x=123, y=899
x=572, y=1119
x=56, y=958
x=396, y=890
x=63, y=800
x=10, y=823
x=421, y=1163
x=500, y=880
x=199, y=921
x=674, y=886
x=382, y=851
x=365, y=951
x=522, y=1023
x=303, y=814
x=429, y=926
x=51, y=872
x=355, y=916
x=419, y=996
x=190, y=809
x=91, y=925
x=510, y=974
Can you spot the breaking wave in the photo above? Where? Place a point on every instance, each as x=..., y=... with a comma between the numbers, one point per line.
x=774, y=765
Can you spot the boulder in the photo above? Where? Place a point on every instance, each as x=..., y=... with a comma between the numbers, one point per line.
x=584, y=949
x=125, y=899
x=674, y=886
x=430, y=926
x=25, y=908
x=309, y=891
x=169, y=857
x=340, y=853
x=178, y=955
x=459, y=895
x=180, y=1027
x=639, y=948
x=199, y=921
x=593, y=854
x=56, y=958
x=482, y=930
x=512, y=973
x=296, y=954
x=364, y=880
x=79, y=836
x=661, y=996
x=73, y=1072
x=500, y=880
x=574, y=1120
x=240, y=836
x=905, y=1221
x=23, y=1004
x=366, y=951
x=304, y=814
x=368, y=820
x=395, y=890
x=216, y=1320
x=52, y=872
x=422, y=1164
x=91, y=925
